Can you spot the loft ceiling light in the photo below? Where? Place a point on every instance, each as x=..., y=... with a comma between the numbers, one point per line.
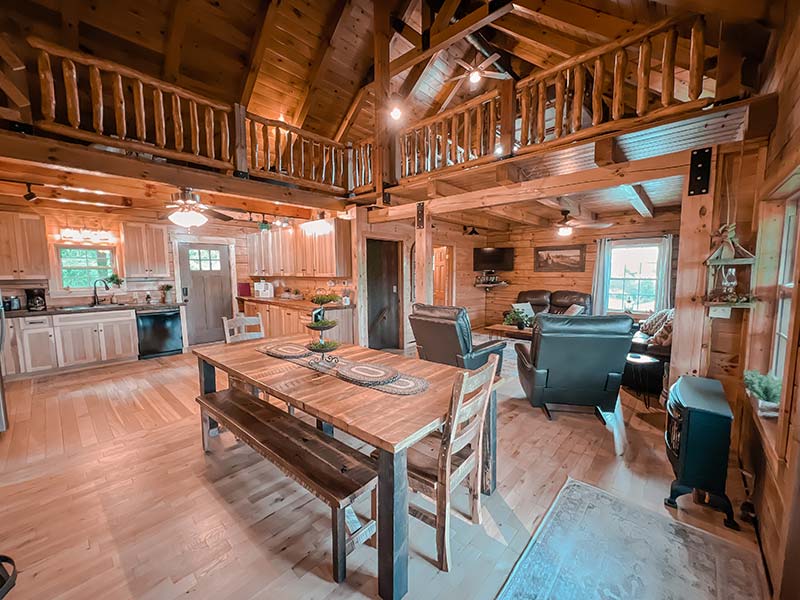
x=189, y=213
x=30, y=195
x=394, y=108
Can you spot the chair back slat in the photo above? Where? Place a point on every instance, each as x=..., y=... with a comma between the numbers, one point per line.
x=236, y=328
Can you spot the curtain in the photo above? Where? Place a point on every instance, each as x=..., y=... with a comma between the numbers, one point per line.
x=664, y=274
x=602, y=269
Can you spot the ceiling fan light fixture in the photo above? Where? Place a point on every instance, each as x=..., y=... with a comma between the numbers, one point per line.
x=187, y=217
x=565, y=231
x=475, y=76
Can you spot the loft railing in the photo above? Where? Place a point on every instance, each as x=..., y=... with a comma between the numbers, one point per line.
x=650, y=74
x=275, y=148
x=362, y=165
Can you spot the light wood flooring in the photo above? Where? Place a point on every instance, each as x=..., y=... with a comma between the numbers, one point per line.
x=106, y=493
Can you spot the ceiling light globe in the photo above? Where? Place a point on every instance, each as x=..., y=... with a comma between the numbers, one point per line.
x=474, y=76
x=565, y=231
x=188, y=218
x=396, y=113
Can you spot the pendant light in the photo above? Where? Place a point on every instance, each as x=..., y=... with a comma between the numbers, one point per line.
x=189, y=209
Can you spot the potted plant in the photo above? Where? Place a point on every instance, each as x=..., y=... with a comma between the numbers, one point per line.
x=516, y=317
x=325, y=298
x=166, y=293
x=766, y=389
x=114, y=280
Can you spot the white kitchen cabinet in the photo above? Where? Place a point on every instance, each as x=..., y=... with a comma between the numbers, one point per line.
x=12, y=357
x=146, y=250
x=118, y=339
x=77, y=344
x=23, y=246
x=38, y=349
x=95, y=336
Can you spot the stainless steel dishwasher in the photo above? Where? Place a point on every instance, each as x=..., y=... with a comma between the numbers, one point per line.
x=160, y=332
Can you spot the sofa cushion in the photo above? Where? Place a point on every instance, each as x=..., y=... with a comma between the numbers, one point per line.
x=561, y=300
x=663, y=337
x=538, y=299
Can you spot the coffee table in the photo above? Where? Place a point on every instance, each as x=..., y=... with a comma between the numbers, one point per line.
x=511, y=331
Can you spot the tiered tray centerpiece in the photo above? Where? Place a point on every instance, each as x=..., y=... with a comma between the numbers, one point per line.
x=322, y=346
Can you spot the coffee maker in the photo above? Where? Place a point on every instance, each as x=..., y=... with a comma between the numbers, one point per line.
x=35, y=299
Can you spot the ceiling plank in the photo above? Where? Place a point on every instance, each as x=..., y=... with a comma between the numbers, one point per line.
x=330, y=32
x=532, y=33
x=258, y=46
x=631, y=172
x=70, y=23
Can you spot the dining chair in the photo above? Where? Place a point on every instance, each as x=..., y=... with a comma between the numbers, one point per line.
x=443, y=460
x=236, y=328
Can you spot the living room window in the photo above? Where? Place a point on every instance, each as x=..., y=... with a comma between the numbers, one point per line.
x=633, y=277
x=783, y=307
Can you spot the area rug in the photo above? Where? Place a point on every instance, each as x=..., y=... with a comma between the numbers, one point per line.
x=594, y=545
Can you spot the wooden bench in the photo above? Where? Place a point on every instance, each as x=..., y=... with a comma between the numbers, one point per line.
x=331, y=470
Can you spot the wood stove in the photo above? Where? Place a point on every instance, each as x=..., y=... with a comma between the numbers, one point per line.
x=698, y=440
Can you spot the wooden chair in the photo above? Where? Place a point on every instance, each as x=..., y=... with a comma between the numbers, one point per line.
x=236, y=328
x=441, y=461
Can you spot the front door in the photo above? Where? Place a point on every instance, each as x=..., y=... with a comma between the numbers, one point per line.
x=383, y=293
x=206, y=287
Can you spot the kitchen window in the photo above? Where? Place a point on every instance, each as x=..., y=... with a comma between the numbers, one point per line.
x=783, y=311
x=81, y=266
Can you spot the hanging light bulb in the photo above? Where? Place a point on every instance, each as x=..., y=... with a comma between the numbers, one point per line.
x=565, y=231
x=396, y=113
x=475, y=76
x=395, y=102
x=186, y=217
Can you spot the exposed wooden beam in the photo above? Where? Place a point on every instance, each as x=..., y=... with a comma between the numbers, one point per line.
x=523, y=216
x=632, y=172
x=174, y=43
x=352, y=112
x=607, y=154
x=574, y=19
x=537, y=56
x=534, y=34
x=640, y=201
x=269, y=12
x=381, y=172
x=767, y=11
x=475, y=219
x=325, y=49
x=70, y=23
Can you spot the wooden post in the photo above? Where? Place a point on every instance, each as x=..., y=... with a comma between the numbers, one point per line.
x=620, y=67
x=697, y=58
x=46, y=86
x=508, y=115
x=643, y=76
x=525, y=125
x=423, y=254
x=177, y=122
x=158, y=118
x=558, y=116
x=358, y=240
x=224, y=137
x=349, y=168
x=541, y=105
x=597, y=91
x=208, y=115
x=119, y=107
x=194, y=127
x=96, y=85
x=381, y=37
x=668, y=68
x=138, y=109
x=239, y=139
x=71, y=92
x=729, y=60
x=253, y=145
x=577, y=98
x=392, y=525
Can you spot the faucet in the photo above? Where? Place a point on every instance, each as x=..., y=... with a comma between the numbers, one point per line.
x=96, y=300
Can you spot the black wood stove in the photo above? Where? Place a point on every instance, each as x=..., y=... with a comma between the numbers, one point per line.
x=698, y=440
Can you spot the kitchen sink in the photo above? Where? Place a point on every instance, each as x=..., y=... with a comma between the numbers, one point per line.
x=87, y=307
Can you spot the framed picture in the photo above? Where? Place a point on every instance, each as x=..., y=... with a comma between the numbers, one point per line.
x=560, y=258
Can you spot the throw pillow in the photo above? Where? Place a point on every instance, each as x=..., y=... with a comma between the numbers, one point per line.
x=654, y=322
x=573, y=310
x=663, y=337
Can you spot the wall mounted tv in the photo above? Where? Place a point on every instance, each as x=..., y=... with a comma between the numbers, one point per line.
x=493, y=259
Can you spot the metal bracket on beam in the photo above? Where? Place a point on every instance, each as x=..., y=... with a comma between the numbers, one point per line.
x=700, y=172
x=241, y=174
x=420, y=221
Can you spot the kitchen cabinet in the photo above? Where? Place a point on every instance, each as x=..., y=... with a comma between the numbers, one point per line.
x=77, y=344
x=332, y=251
x=38, y=349
x=146, y=250
x=95, y=336
x=23, y=246
x=11, y=359
x=255, y=254
x=118, y=338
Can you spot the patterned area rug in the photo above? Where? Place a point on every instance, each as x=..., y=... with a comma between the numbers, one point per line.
x=592, y=544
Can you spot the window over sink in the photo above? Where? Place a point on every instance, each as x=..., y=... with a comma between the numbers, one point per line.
x=81, y=266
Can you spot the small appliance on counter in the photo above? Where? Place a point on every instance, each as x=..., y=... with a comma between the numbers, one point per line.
x=11, y=303
x=35, y=299
x=264, y=289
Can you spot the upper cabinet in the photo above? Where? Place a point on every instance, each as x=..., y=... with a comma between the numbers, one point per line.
x=146, y=250
x=320, y=249
x=23, y=246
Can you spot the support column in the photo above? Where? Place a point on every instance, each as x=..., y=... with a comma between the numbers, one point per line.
x=381, y=161
x=423, y=255
x=358, y=237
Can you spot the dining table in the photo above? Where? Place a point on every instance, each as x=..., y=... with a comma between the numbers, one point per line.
x=391, y=423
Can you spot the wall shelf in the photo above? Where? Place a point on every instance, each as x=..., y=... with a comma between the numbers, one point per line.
x=488, y=286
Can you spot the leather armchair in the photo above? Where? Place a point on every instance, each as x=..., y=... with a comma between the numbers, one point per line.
x=574, y=360
x=538, y=299
x=561, y=300
x=444, y=335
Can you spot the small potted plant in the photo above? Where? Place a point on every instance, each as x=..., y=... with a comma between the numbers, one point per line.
x=766, y=389
x=166, y=293
x=327, y=298
x=114, y=280
x=516, y=317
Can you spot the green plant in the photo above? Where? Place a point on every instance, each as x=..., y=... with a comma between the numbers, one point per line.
x=297, y=292
x=323, y=346
x=515, y=317
x=763, y=387
x=114, y=279
x=322, y=324
x=324, y=298
x=165, y=287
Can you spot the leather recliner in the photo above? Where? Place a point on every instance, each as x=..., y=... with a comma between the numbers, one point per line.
x=554, y=302
x=574, y=360
x=444, y=335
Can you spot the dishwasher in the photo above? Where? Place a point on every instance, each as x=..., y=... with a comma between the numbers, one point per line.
x=160, y=332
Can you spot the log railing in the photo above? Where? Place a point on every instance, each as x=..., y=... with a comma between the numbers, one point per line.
x=275, y=148
x=462, y=134
x=362, y=164
x=145, y=114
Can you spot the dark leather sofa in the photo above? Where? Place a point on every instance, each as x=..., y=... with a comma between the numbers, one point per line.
x=555, y=302
x=574, y=360
x=444, y=335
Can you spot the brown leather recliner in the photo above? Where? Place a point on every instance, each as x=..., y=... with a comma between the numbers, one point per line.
x=555, y=302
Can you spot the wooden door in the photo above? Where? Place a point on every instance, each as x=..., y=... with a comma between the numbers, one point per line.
x=135, y=250
x=206, y=282
x=383, y=294
x=158, y=250
x=38, y=349
x=10, y=359
x=77, y=344
x=443, y=276
x=8, y=246
x=119, y=338
x=32, y=256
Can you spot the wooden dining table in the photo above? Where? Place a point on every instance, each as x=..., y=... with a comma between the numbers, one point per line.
x=391, y=423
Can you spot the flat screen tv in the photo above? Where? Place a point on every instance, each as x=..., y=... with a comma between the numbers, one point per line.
x=493, y=259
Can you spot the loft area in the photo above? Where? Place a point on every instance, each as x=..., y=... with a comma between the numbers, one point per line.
x=451, y=287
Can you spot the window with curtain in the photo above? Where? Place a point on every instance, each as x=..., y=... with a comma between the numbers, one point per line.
x=783, y=307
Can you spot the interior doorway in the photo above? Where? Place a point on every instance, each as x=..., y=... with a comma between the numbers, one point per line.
x=383, y=293
x=205, y=279
x=443, y=276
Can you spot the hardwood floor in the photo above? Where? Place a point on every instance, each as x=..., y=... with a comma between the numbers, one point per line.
x=106, y=493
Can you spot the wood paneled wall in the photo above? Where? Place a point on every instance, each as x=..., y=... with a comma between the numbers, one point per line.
x=524, y=240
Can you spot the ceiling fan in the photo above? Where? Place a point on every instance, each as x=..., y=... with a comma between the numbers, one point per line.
x=190, y=211
x=474, y=74
x=565, y=225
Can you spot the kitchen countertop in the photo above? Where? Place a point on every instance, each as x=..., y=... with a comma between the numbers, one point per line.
x=62, y=310
x=297, y=304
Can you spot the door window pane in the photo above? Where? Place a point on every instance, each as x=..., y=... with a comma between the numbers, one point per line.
x=203, y=259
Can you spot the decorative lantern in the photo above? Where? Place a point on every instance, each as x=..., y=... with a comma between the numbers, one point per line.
x=730, y=271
